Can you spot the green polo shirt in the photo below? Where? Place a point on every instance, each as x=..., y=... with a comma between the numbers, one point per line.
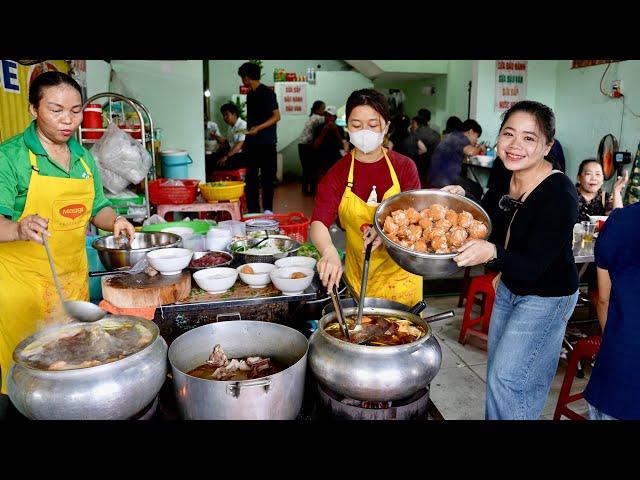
x=15, y=171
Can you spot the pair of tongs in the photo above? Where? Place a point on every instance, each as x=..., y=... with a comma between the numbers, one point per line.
x=339, y=313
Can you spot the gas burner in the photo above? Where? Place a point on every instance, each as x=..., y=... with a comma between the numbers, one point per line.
x=340, y=406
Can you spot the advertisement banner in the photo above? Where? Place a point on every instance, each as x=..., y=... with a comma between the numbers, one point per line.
x=292, y=97
x=511, y=83
x=14, y=93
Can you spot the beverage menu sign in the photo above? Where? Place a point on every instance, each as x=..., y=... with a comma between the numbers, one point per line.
x=511, y=83
x=292, y=97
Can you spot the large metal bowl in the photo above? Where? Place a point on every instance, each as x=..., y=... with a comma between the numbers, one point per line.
x=113, y=255
x=428, y=265
x=287, y=245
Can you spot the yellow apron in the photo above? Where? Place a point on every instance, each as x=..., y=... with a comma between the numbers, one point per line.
x=27, y=291
x=386, y=278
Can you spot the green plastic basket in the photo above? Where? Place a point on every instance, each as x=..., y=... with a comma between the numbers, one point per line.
x=198, y=226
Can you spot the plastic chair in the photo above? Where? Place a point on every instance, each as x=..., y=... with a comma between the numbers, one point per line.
x=479, y=285
x=586, y=348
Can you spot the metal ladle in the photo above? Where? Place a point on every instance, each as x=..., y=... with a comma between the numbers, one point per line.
x=79, y=310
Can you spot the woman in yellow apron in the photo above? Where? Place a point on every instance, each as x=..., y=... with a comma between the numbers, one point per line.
x=49, y=185
x=351, y=190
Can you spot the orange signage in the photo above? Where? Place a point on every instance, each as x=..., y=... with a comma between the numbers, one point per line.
x=73, y=211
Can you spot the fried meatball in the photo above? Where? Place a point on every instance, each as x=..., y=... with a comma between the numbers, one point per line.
x=414, y=233
x=424, y=213
x=457, y=236
x=478, y=230
x=389, y=225
x=413, y=215
x=298, y=275
x=443, y=224
x=452, y=216
x=465, y=219
x=439, y=243
x=421, y=245
x=436, y=212
x=400, y=218
x=425, y=223
x=247, y=269
x=438, y=232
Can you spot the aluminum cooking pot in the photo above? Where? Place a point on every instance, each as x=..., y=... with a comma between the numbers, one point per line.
x=275, y=397
x=112, y=391
x=428, y=265
x=113, y=255
x=373, y=373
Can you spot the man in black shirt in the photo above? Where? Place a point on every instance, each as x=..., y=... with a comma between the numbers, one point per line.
x=261, y=138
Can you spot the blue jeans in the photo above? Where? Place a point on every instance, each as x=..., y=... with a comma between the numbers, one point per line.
x=525, y=338
x=596, y=414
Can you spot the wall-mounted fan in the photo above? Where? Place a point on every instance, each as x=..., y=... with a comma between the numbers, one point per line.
x=606, y=150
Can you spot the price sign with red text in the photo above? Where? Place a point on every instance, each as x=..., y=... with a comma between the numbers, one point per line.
x=292, y=97
x=511, y=83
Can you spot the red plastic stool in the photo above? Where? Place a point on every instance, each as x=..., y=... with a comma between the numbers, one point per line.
x=479, y=285
x=586, y=348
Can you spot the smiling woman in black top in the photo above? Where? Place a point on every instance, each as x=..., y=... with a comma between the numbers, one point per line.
x=537, y=287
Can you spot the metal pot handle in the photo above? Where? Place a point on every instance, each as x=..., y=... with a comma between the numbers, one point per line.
x=234, y=388
x=439, y=316
x=229, y=315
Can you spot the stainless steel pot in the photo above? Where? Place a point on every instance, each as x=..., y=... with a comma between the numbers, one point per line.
x=374, y=373
x=276, y=397
x=113, y=255
x=287, y=247
x=428, y=265
x=113, y=391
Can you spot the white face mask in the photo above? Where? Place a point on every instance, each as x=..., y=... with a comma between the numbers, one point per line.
x=366, y=140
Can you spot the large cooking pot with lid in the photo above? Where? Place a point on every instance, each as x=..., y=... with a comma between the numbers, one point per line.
x=116, y=390
x=275, y=397
x=377, y=373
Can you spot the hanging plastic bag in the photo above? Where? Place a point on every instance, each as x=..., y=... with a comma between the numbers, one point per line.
x=121, y=154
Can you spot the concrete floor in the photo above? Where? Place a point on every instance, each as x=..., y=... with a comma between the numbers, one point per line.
x=458, y=390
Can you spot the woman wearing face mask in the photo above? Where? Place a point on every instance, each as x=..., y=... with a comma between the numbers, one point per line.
x=49, y=186
x=351, y=191
x=537, y=288
x=592, y=200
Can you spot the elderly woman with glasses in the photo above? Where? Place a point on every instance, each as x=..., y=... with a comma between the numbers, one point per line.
x=537, y=287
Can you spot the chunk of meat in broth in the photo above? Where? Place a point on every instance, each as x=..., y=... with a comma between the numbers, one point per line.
x=478, y=230
x=456, y=236
x=465, y=219
x=217, y=357
x=400, y=218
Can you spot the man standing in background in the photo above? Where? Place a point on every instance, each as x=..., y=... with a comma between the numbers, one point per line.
x=429, y=137
x=261, y=138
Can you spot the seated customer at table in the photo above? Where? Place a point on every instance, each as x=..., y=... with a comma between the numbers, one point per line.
x=591, y=199
x=446, y=163
x=613, y=391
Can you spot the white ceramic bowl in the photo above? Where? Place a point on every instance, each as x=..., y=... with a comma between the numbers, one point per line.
x=169, y=261
x=260, y=278
x=216, y=279
x=185, y=232
x=296, y=261
x=281, y=278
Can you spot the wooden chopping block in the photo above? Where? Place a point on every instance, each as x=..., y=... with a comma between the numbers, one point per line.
x=143, y=291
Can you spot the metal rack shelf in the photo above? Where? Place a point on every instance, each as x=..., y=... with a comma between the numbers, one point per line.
x=139, y=109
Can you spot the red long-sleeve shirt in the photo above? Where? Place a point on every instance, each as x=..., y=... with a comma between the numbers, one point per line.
x=365, y=176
